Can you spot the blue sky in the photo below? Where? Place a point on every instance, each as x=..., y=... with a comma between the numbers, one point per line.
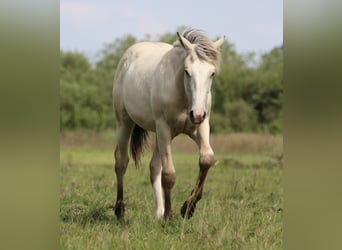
x=251, y=25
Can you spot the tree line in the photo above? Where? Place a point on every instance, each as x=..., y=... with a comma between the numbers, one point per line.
x=247, y=92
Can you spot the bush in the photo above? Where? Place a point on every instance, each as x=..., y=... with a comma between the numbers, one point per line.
x=242, y=116
x=219, y=123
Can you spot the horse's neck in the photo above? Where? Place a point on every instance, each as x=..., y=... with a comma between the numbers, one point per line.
x=177, y=57
x=176, y=64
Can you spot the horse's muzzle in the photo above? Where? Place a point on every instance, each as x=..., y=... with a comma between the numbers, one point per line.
x=197, y=117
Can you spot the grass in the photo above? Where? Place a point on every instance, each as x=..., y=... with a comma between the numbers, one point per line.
x=242, y=205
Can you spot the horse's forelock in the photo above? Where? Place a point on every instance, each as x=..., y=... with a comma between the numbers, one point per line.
x=204, y=48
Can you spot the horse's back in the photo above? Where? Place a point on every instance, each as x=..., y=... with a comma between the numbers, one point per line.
x=141, y=57
x=133, y=79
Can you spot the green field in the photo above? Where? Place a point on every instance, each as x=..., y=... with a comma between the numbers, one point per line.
x=241, y=208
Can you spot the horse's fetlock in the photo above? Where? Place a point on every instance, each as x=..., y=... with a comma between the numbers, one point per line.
x=119, y=209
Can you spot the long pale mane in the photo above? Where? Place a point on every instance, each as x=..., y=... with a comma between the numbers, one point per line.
x=204, y=48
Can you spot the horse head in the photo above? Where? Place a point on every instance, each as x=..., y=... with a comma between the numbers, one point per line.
x=200, y=65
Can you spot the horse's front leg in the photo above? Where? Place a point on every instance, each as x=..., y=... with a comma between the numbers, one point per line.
x=168, y=177
x=206, y=160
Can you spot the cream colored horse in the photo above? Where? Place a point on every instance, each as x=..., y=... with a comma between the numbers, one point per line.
x=165, y=89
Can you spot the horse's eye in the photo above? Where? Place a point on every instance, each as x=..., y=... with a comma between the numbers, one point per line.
x=212, y=75
x=187, y=73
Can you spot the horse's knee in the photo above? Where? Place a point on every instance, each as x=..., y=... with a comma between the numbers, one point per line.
x=206, y=161
x=168, y=180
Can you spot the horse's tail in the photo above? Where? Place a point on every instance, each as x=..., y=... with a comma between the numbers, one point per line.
x=138, y=141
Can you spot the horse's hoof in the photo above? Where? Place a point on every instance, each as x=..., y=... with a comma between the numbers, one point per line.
x=188, y=209
x=119, y=210
x=168, y=216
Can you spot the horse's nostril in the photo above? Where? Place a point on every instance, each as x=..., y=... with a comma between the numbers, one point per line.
x=191, y=114
x=204, y=115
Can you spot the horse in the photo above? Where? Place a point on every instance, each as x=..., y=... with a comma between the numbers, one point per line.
x=165, y=89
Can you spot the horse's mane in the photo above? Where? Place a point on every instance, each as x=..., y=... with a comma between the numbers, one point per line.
x=204, y=48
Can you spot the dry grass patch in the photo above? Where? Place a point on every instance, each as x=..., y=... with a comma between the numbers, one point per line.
x=237, y=143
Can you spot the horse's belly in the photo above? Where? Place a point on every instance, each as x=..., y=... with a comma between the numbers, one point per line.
x=144, y=121
x=137, y=105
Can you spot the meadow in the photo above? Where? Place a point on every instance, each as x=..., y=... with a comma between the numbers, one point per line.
x=241, y=208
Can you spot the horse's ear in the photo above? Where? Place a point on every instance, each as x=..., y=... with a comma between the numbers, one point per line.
x=184, y=42
x=219, y=42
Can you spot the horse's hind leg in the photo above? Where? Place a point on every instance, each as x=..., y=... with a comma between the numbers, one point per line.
x=155, y=175
x=123, y=133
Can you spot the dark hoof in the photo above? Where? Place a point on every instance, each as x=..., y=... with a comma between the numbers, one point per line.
x=168, y=216
x=188, y=209
x=119, y=210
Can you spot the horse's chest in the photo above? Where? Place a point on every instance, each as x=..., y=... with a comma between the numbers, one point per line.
x=180, y=123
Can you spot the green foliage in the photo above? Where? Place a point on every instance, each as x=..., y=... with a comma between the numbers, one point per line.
x=82, y=102
x=242, y=116
x=247, y=93
x=248, y=98
x=74, y=66
x=111, y=54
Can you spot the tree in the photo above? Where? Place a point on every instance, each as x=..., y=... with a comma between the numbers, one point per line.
x=247, y=93
x=111, y=54
x=73, y=65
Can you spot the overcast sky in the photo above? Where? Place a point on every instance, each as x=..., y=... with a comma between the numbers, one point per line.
x=251, y=25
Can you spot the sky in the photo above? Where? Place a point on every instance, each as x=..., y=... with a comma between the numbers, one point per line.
x=251, y=25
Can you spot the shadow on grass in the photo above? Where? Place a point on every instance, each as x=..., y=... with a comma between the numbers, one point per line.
x=104, y=215
x=92, y=215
